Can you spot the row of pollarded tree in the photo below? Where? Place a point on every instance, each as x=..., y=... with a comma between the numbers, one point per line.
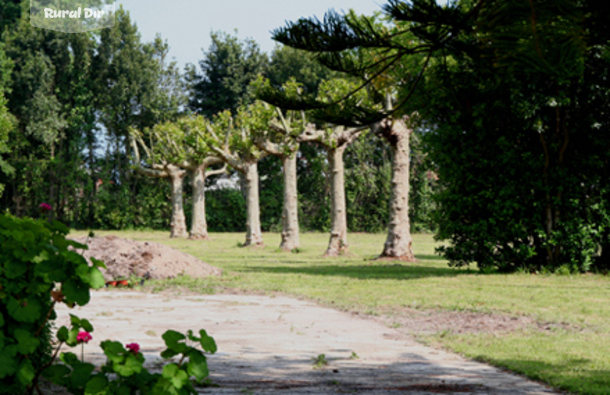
x=194, y=144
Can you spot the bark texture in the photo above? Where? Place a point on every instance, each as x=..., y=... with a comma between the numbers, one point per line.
x=199, y=225
x=338, y=232
x=254, y=235
x=199, y=173
x=398, y=244
x=290, y=211
x=178, y=223
x=335, y=145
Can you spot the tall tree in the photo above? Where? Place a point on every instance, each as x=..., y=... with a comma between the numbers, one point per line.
x=186, y=148
x=160, y=163
x=7, y=121
x=231, y=139
x=227, y=69
x=277, y=135
x=505, y=74
x=335, y=138
x=368, y=50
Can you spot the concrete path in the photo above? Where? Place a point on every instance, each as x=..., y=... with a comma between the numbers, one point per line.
x=268, y=345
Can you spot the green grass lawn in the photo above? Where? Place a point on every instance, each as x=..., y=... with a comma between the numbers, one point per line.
x=576, y=359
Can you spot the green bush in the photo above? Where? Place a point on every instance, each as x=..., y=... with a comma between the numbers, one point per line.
x=34, y=257
x=225, y=210
x=39, y=269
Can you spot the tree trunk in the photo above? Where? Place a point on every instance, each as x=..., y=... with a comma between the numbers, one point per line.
x=178, y=224
x=199, y=225
x=290, y=211
x=338, y=231
x=254, y=236
x=398, y=242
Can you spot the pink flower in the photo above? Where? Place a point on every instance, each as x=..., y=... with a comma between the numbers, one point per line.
x=133, y=347
x=45, y=207
x=83, y=337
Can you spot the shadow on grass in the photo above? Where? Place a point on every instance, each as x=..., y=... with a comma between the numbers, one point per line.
x=572, y=374
x=429, y=257
x=363, y=272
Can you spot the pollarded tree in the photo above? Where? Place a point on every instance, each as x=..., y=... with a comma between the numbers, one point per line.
x=277, y=134
x=369, y=51
x=335, y=138
x=185, y=148
x=230, y=138
x=157, y=165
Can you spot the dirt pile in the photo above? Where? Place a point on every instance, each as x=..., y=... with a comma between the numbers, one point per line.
x=125, y=258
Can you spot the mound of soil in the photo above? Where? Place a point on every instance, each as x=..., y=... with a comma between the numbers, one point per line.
x=125, y=258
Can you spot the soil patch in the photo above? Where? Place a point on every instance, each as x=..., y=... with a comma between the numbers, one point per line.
x=125, y=258
x=427, y=322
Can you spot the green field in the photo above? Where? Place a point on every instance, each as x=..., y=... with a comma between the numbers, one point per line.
x=574, y=356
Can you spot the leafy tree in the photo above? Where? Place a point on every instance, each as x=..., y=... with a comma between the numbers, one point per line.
x=231, y=139
x=368, y=50
x=514, y=97
x=160, y=163
x=7, y=121
x=184, y=147
x=278, y=137
x=288, y=63
x=10, y=12
x=227, y=69
x=335, y=139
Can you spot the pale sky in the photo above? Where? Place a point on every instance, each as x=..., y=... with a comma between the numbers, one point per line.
x=186, y=24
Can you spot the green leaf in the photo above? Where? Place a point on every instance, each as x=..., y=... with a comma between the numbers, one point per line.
x=1, y=320
x=96, y=385
x=207, y=342
x=82, y=374
x=175, y=375
x=114, y=351
x=14, y=268
x=172, y=339
x=198, y=365
x=86, y=325
x=72, y=336
x=123, y=391
x=26, y=342
x=76, y=292
x=96, y=278
x=69, y=358
x=168, y=353
x=82, y=271
x=75, y=321
x=62, y=334
x=56, y=373
x=131, y=366
x=170, y=370
x=25, y=372
x=60, y=227
x=26, y=310
x=98, y=263
x=8, y=361
x=55, y=269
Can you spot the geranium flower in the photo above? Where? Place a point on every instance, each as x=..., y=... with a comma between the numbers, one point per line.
x=83, y=337
x=45, y=207
x=133, y=347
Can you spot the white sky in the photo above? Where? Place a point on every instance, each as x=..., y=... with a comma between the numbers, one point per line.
x=186, y=24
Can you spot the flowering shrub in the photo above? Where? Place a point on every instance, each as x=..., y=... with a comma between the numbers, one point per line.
x=125, y=363
x=34, y=257
x=37, y=271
